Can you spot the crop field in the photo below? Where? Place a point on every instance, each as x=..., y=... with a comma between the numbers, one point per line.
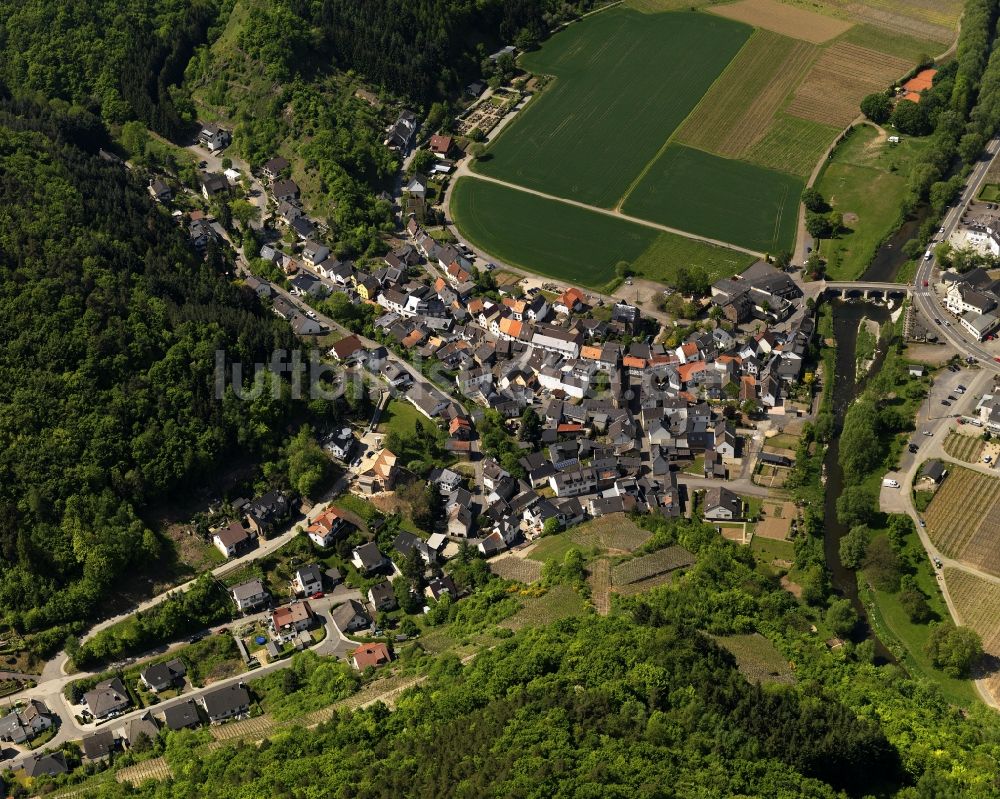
x=893, y=43
x=791, y=145
x=841, y=76
x=964, y=448
x=510, y=567
x=780, y=18
x=978, y=604
x=740, y=203
x=963, y=519
x=918, y=19
x=546, y=236
x=669, y=252
x=652, y=565
x=737, y=111
x=624, y=82
x=757, y=658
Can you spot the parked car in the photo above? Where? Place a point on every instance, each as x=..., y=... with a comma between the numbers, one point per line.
x=928, y=433
x=311, y=314
x=317, y=595
x=961, y=387
x=945, y=402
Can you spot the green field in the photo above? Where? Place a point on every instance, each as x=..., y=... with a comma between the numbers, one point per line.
x=670, y=252
x=546, y=236
x=791, y=145
x=571, y=243
x=624, y=82
x=740, y=203
x=866, y=177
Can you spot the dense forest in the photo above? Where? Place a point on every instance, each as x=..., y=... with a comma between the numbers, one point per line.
x=110, y=324
x=126, y=59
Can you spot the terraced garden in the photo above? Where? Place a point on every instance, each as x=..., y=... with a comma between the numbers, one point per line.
x=653, y=565
x=978, y=604
x=963, y=519
x=964, y=448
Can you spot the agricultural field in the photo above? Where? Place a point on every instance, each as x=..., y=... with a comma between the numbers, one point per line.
x=653, y=565
x=757, y=658
x=864, y=180
x=669, y=252
x=791, y=145
x=737, y=111
x=910, y=48
x=781, y=18
x=964, y=448
x=561, y=241
x=840, y=77
x=929, y=21
x=963, y=519
x=734, y=201
x=624, y=82
x=978, y=604
x=511, y=567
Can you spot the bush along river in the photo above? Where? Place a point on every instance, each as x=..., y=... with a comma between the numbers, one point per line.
x=847, y=317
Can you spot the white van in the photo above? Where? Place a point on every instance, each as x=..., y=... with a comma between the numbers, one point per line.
x=889, y=483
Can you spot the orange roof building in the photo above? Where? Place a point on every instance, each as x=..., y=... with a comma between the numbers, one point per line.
x=511, y=327
x=373, y=655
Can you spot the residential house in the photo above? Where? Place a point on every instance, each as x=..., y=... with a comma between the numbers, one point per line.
x=213, y=184
x=383, y=597
x=721, y=504
x=163, y=676
x=214, y=137
x=99, y=745
x=288, y=621
x=314, y=253
x=327, y=528
x=406, y=542
x=39, y=764
x=139, y=727
x=428, y=401
x=368, y=558
x=351, y=616
x=308, y=580
x=347, y=349
x=107, y=698
x=439, y=586
x=267, y=511
x=250, y=595
x=370, y=656
x=273, y=168
x=304, y=326
x=182, y=715
x=339, y=443
x=382, y=475
x=400, y=134
x=159, y=190
x=232, y=701
x=441, y=145
x=232, y=540
x=24, y=723
x=285, y=190
x=460, y=521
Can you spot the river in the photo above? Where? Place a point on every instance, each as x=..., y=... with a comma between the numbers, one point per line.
x=847, y=317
